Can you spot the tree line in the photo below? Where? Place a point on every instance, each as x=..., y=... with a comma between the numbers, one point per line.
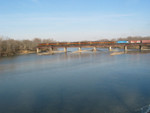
x=134, y=38
x=127, y=38
x=10, y=47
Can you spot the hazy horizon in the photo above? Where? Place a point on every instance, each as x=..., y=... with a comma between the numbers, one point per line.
x=74, y=20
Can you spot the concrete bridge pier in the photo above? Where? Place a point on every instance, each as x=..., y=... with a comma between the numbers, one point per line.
x=65, y=49
x=140, y=47
x=50, y=50
x=80, y=49
x=37, y=50
x=94, y=49
x=125, y=48
x=110, y=48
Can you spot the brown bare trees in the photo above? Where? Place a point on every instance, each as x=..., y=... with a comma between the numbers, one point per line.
x=9, y=47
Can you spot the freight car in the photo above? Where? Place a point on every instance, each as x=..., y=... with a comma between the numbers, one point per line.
x=122, y=42
x=135, y=41
x=145, y=41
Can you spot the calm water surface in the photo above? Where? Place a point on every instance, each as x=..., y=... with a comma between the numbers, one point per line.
x=90, y=82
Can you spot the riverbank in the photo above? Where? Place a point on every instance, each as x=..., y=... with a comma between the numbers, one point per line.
x=26, y=52
x=22, y=52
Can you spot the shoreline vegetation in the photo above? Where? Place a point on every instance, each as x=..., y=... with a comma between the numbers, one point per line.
x=11, y=47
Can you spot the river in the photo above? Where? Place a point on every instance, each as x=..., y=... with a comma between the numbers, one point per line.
x=88, y=82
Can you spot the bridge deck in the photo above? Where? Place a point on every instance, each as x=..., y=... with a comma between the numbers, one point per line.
x=94, y=45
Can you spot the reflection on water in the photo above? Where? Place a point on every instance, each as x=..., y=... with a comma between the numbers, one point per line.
x=88, y=82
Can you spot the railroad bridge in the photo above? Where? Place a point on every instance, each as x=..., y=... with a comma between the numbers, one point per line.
x=92, y=44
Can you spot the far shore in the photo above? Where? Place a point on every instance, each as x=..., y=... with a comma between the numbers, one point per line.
x=23, y=52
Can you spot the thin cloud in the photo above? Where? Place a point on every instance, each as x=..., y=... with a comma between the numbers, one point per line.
x=119, y=15
x=80, y=18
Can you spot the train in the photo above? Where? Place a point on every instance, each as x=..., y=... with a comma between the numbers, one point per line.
x=94, y=42
x=134, y=41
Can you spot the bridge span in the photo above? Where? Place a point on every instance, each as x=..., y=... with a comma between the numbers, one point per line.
x=94, y=45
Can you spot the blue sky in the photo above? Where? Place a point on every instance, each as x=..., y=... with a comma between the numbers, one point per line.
x=73, y=20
